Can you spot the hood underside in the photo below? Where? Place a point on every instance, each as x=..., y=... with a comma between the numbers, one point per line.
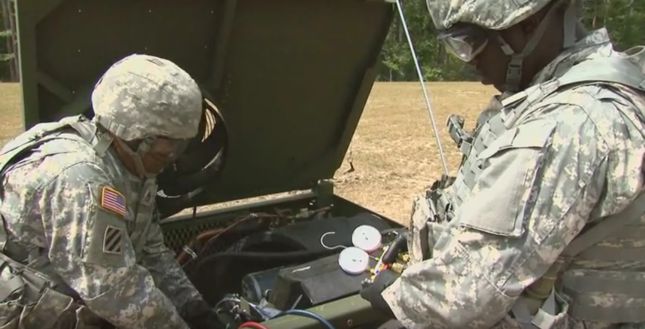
x=290, y=78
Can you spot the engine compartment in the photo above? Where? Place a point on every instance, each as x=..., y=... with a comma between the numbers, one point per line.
x=260, y=261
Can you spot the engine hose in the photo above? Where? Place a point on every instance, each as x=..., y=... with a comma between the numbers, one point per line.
x=230, y=267
x=291, y=256
x=288, y=255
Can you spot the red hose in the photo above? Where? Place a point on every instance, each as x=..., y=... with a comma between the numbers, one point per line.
x=251, y=324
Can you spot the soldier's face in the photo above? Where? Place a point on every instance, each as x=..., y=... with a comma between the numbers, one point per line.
x=162, y=152
x=491, y=63
x=480, y=48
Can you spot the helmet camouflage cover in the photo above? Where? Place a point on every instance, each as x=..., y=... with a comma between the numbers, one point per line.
x=489, y=14
x=145, y=96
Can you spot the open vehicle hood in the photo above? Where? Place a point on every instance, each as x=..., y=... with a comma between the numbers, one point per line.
x=289, y=77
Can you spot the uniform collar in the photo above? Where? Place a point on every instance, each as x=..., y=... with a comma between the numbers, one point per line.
x=595, y=44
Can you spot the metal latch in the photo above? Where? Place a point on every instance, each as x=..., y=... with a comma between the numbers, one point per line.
x=456, y=130
x=324, y=191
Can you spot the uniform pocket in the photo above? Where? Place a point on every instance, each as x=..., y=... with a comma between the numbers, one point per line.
x=499, y=199
x=12, y=296
x=418, y=243
x=107, y=240
x=12, y=324
x=85, y=319
x=9, y=314
x=53, y=310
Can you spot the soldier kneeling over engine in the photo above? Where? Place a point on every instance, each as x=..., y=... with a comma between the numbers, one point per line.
x=81, y=244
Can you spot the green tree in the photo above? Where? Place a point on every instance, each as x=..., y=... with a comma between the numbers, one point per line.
x=623, y=18
x=8, y=60
x=397, y=63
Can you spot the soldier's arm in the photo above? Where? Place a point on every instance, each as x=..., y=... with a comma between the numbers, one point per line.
x=90, y=249
x=527, y=206
x=168, y=275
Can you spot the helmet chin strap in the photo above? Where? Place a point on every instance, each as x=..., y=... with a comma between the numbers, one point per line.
x=104, y=138
x=137, y=155
x=515, y=66
x=571, y=24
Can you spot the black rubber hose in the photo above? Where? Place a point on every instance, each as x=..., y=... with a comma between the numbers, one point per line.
x=220, y=273
x=288, y=255
x=224, y=258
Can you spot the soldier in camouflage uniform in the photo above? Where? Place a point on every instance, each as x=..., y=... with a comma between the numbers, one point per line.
x=543, y=225
x=82, y=247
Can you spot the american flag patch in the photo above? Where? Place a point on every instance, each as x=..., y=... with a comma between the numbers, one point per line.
x=113, y=201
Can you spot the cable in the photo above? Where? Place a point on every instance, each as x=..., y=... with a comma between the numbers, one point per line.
x=252, y=324
x=188, y=251
x=322, y=242
x=303, y=255
x=379, y=264
x=309, y=314
x=207, y=238
x=423, y=88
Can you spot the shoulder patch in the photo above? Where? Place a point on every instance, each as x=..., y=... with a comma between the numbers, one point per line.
x=112, y=240
x=113, y=201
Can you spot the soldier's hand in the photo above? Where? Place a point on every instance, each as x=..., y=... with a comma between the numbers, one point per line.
x=372, y=292
x=199, y=315
x=398, y=245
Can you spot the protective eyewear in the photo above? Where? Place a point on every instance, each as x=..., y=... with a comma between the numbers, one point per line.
x=173, y=148
x=465, y=41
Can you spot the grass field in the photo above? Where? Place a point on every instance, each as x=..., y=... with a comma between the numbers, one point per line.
x=10, y=116
x=393, y=152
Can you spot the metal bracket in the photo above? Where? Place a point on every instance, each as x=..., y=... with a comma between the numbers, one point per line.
x=324, y=191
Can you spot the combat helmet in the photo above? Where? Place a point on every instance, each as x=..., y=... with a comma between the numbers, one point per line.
x=144, y=96
x=497, y=15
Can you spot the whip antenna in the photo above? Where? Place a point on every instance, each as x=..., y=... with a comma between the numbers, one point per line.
x=423, y=87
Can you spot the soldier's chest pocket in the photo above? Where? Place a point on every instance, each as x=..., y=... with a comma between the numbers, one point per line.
x=140, y=213
x=508, y=169
x=140, y=227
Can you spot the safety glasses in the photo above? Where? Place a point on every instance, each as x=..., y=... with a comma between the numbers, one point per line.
x=464, y=41
x=170, y=148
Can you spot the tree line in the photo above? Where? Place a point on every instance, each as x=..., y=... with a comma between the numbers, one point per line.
x=623, y=18
x=8, y=42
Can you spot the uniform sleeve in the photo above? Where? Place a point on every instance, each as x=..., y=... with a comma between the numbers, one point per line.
x=539, y=185
x=90, y=250
x=168, y=275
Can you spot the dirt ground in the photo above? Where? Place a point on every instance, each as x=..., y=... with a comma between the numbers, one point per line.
x=10, y=116
x=393, y=152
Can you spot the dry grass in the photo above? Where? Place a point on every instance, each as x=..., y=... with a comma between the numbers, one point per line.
x=10, y=116
x=393, y=151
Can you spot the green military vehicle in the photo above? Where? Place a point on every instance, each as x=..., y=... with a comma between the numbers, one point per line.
x=285, y=83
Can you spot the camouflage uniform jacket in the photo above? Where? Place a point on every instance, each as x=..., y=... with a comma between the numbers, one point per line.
x=552, y=169
x=94, y=223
